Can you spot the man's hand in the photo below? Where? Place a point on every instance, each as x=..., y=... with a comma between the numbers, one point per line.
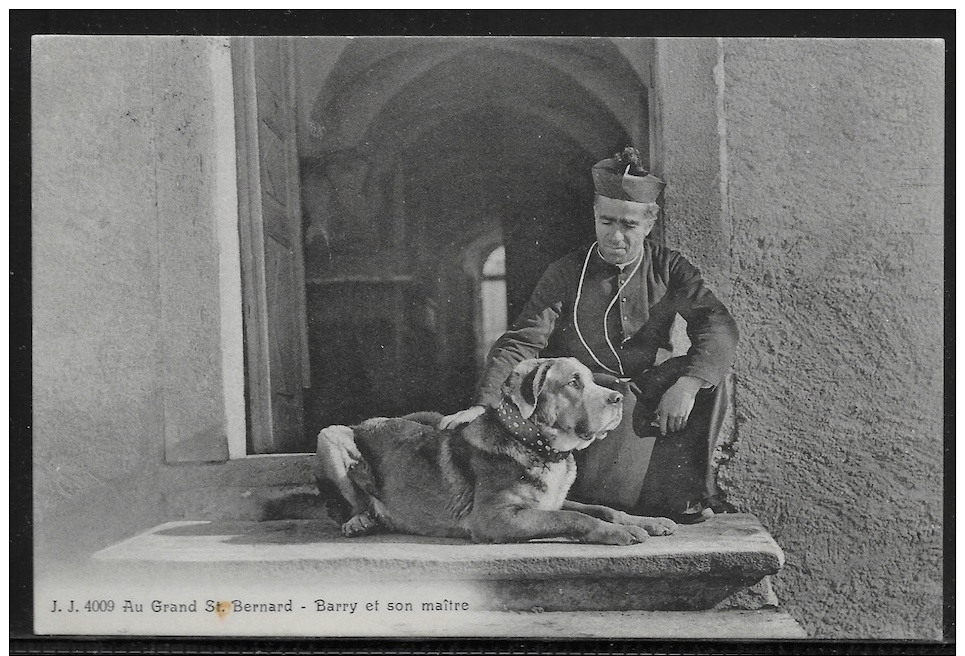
x=676, y=404
x=462, y=417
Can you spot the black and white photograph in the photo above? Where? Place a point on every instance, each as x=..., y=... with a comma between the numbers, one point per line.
x=555, y=337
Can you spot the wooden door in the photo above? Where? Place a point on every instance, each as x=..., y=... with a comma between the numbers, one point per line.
x=273, y=270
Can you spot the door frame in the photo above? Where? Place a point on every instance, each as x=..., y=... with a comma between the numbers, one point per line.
x=261, y=430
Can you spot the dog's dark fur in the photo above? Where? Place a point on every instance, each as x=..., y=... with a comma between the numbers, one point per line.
x=479, y=481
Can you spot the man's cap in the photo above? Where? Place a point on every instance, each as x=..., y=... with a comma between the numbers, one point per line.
x=623, y=177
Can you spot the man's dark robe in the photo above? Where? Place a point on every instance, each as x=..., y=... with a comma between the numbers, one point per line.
x=638, y=325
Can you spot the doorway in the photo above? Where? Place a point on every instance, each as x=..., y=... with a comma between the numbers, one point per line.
x=411, y=150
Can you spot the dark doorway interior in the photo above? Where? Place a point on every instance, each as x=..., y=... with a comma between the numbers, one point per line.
x=422, y=151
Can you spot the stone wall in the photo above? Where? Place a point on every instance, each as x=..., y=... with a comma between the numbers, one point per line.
x=127, y=299
x=831, y=160
x=689, y=156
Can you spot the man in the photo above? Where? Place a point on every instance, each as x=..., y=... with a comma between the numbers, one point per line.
x=612, y=305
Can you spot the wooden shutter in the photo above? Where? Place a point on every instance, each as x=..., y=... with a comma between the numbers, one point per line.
x=273, y=270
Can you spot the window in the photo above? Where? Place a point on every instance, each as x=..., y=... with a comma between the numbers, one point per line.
x=492, y=321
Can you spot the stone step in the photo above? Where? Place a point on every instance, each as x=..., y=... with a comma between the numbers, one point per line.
x=766, y=624
x=698, y=568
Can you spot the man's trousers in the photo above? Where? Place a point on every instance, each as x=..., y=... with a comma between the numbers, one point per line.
x=636, y=469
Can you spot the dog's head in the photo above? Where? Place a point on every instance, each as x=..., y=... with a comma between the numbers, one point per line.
x=561, y=396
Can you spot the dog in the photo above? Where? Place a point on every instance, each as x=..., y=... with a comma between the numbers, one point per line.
x=501, y=478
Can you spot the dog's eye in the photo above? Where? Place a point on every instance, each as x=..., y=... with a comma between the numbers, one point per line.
x=575, y=383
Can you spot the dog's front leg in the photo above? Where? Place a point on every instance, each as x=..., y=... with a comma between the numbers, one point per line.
x=522, y=524
x=652, y=525
x=600, y=512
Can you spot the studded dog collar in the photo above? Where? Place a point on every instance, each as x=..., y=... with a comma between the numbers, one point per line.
x=527, y=432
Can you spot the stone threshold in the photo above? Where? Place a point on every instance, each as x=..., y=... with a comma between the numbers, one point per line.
x=766, y=624
x=698, y=568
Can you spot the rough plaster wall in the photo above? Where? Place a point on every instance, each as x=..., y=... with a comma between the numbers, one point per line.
x=114, y=123
x=835, y=166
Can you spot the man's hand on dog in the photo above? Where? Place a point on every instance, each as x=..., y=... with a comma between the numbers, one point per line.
x=676, y=404
x=466, y=416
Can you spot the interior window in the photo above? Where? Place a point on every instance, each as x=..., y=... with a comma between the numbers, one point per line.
x=492, y=293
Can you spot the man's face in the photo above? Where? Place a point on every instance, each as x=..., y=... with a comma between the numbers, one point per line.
x=621, y=227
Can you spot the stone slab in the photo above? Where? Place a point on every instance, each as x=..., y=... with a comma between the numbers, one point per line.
x=726, y=544
x=697, y=568
x=615, y=625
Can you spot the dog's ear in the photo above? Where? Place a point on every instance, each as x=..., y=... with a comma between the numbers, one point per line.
x=524, y=385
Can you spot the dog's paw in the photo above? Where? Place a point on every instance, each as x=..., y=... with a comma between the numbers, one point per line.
x=360, y=524
x=654, y=525
x=620, y=535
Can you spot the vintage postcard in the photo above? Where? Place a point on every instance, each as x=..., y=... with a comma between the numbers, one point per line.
x=669, y=311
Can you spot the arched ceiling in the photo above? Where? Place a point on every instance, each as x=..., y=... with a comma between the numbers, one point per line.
x=483, y=133
x=386, y=93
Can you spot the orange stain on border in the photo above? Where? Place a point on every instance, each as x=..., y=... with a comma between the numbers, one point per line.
x=222, y=609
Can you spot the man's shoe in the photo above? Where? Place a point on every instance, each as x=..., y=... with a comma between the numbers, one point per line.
x=693, y=514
